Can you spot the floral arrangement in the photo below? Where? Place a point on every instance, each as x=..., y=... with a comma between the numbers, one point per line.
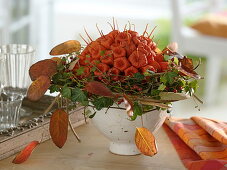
x=121, y=66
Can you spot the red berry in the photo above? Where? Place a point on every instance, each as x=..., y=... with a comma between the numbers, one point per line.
x=175, y=90
x=135, y=87
x=120, y=101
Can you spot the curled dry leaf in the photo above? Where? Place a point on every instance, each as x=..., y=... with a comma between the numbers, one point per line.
x=59, y=127
x=186, y=67
x=25, y=153
x=145, y=141
x=165, y=106
x=98, y=88
x=46, y=67
x=171, y=96
x=72, y=64
x=38, y=88
x=128, y=106
x=66, y=48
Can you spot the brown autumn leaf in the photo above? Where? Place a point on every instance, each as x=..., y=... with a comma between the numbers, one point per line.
x=145, y=141
x=128, y=105
x=66, y=48
x=38, y=88
x=59, y=127
x=186, y=67
x=98, y=88
x=25, y=153
x=45, y=67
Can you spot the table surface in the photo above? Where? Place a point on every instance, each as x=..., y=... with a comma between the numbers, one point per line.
x=93, y=154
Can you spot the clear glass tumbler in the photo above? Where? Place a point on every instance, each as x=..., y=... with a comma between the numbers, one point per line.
x=17, y=61
x=10, y=110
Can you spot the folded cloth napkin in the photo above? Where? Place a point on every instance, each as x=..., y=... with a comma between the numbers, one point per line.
x=197, y=148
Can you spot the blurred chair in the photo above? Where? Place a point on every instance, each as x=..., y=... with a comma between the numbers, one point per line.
x=192, y=42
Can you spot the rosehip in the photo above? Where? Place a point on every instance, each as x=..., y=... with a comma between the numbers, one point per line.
x=135, y=87
x=120, y=101
x=139, y=89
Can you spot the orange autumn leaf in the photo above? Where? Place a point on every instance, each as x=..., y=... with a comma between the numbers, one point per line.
x=46, y=67
x=98, y=88
x=38, y=88
x=66, y=48
x=145, y=141
x=59, y=127
x=25, y=153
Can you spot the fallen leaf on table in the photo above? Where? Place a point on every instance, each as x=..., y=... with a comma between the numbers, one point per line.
x=25, y=153
x=145, y=141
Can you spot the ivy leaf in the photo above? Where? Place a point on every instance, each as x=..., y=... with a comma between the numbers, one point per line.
x=102, y=102
x=169, y=77
x=161, y=87
x=155, y=92
x=137, y=109
x=139, y=76
x=79, y=96
x=66, y=92
x=80, y=71
x=194, y=85
x=53, y=88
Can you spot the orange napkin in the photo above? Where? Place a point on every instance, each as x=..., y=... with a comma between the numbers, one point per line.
x=198, y=139
x=215, y=128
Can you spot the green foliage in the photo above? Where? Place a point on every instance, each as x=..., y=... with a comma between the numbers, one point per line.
x=66, y=92
x=102, y=102
x=79, y=96
x=137, y=109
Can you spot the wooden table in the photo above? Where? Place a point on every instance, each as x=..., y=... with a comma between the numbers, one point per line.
x=93, y=154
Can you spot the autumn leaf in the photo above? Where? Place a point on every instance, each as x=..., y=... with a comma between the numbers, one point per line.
x=59, y=127
x=25, y=153
x=46, y=67
x=98, y=88
x=57, y=60
x=66, y=48
x=38, y=88
x=145, y=141
x=186, y=67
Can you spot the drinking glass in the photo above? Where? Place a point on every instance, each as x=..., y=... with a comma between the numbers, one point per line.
x=10, y=110
x=16, y=60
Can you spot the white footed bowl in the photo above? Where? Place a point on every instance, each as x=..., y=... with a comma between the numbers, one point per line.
x=117, y=127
